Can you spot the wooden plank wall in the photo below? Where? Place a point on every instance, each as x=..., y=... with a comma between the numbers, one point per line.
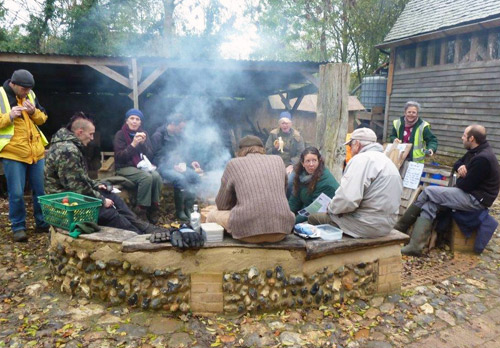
x=452, y=97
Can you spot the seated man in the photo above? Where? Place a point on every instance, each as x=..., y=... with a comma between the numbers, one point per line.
x=367, y=201
x=66, y=170
x=174, y=161
x=476, y=189
x=251, y=202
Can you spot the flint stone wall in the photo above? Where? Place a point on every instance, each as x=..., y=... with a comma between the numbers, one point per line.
x=122, y=268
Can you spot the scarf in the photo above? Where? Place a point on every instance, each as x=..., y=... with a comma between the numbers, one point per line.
x=409, y=124
x=305, y=178
x=129, y=135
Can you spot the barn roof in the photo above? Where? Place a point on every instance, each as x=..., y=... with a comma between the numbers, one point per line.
x=424, y=17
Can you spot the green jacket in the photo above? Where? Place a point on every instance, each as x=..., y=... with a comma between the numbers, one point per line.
x=326, y=184
x=293, y=147
x=66, y=168
x=430, y=139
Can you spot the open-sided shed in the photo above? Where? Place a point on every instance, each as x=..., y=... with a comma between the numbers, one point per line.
x=107, y=86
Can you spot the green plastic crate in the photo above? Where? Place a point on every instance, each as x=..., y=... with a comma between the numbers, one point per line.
x=57, y=214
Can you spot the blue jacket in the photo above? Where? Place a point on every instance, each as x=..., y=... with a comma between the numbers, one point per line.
x=469, y=221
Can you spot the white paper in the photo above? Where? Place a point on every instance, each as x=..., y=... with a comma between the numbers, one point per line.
x=319, y=205
x=401, y=148
x=115, y=190
x=413, y=175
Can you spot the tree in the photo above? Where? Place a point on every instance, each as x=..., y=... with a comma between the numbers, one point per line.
x=326, y=30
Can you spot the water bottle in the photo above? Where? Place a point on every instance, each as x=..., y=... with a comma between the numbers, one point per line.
x=195, y=220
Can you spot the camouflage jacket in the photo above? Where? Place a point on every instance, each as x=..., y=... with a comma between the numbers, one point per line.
x=66, y=168
x=293, y=145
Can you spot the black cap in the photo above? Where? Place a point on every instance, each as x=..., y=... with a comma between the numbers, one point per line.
x=23, y=78
x=250, y=140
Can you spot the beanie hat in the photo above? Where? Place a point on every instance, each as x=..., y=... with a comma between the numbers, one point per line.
x=250, y=140
x=134, y=112
x=287, y=115
x=23, y=78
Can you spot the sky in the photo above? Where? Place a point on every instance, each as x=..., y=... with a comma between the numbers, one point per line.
x=239, y=44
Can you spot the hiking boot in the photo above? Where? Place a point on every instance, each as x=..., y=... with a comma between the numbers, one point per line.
x=419, y=237
x=409, y=217
x=141, y=213
x=20, y=236
x=42, y=229
x=153, y=214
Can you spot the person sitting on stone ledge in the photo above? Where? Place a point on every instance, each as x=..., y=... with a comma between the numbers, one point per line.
x=251, y=202
x=66, y=170
x=311, y=179
x=367, y=201
x=476, y=189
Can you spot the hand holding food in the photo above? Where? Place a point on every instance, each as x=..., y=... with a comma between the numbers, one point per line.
x=279, y=144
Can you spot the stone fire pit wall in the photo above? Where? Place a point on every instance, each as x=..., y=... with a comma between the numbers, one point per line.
x=124, y=269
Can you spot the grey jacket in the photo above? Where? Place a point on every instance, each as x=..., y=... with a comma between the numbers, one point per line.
x=367, y=202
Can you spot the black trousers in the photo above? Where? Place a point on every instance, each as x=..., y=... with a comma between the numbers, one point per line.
x=120, y=216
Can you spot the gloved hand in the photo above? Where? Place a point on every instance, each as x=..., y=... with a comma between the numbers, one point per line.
x=176, y=239
x=192, y=239
x=186, y=237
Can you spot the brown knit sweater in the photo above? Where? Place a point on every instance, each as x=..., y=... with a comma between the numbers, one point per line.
x=253, y=188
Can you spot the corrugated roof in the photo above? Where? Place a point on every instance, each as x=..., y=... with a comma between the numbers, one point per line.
x=425, y=16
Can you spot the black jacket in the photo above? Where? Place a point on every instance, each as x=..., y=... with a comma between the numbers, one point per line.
x=483, y=174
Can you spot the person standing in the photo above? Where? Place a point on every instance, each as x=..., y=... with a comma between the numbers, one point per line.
x=22, y=149
x=414, y=130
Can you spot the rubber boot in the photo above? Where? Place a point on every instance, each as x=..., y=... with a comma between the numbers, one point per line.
x=419, y=237
x=409, y=217
x=179, y=205
x=188, y=203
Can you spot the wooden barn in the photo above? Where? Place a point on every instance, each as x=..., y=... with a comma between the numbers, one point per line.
x=446, y=56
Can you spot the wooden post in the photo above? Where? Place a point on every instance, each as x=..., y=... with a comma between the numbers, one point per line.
x=443, y=53
x=390, y=79
x=134, y=83
x=332, y=114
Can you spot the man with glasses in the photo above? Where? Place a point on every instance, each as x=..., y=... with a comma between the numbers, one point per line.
x=367, y=201
x=476, y=189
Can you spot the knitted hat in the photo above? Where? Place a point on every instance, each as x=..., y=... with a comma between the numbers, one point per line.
x=287, y=115
x=23, y=78
x=363, y=134
x=250, y=140
x=134, y=112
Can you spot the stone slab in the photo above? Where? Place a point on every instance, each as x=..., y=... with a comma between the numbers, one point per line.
x=106, y=234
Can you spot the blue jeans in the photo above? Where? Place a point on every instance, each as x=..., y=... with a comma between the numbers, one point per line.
x=15, y=175
x=289, y=187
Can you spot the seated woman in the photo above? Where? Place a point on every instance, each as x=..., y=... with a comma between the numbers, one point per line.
x=130, y=144
x=251, y=203
x=311, y=179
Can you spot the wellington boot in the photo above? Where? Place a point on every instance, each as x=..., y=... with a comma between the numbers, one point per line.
x=419, y=237
x=408, y=218
x=179, y=205
x=188, y=203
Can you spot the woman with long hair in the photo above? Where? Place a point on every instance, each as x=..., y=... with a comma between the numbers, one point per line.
x=312, y=179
